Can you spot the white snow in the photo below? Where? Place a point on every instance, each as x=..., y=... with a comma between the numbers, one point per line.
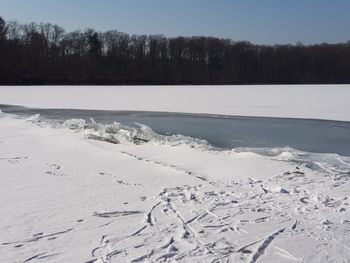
x=66, y=198
x=295, y=101
x=84, y=192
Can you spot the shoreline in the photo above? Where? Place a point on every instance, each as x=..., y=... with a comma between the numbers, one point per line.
x=68, y=198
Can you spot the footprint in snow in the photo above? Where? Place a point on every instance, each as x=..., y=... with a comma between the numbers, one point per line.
x=116, y=214
x=14, y=160
x=55, y=170
x=120, y=181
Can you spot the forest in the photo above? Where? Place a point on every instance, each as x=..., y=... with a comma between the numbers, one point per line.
x=45, y=54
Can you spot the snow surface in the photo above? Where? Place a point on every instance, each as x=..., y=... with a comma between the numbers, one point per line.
x=84, y=192
x=295, y=101
x=67, y=198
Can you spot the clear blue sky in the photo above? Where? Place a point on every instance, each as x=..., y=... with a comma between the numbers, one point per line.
x=258, y=21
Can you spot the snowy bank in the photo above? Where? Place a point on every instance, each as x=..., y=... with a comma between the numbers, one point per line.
x=289, y=101
x=70, y=197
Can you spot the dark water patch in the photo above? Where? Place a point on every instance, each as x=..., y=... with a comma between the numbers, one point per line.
x=321, y=136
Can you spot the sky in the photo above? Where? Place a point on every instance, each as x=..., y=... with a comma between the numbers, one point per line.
x=257, y=21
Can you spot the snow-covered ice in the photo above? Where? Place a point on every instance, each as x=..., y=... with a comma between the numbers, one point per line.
x=288, y=101
x=84, y=192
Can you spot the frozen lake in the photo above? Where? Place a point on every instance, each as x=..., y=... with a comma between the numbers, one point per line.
x=321, y=136
x=326, y=102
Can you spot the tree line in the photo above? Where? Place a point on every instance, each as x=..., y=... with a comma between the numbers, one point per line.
x=39, y=53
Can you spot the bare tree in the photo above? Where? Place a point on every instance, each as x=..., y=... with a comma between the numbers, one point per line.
x=46, y=54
